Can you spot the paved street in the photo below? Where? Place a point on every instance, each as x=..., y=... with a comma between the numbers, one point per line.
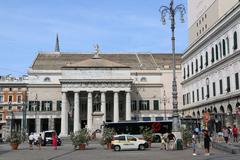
x=96, y=151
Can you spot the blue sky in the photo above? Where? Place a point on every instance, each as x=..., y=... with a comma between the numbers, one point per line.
x=29, y=26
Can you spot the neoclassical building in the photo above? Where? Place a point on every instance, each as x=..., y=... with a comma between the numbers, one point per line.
x=69, y=91
x=211, y=63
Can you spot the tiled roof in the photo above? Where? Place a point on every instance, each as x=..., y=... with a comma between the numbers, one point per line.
x=144, y=61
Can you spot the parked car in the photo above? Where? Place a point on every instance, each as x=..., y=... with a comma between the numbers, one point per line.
x=128, y=142
x=47, y=138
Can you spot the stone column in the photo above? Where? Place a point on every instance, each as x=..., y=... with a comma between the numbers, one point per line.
x=51, y=123
x=64, y=116
x=38, y=124
x=103, y=105
x=116, y=108
x=128, y=106
x=76, y=124
x=89, y=111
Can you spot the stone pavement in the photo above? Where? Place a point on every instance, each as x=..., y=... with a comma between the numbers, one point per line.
x=97, y=152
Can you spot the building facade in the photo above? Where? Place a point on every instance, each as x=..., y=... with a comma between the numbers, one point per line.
x=70, y=91
x=13, y=96
x=211, y=64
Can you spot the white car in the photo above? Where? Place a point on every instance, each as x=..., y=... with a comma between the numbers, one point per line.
x=128, y=142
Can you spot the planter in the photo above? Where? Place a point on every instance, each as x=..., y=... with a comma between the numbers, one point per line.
x=109, y=146
x=14, y=146
x=82, y=146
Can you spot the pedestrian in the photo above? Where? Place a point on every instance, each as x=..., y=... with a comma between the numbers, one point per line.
x=39, y=141
x=235, y=133
x=171, y=140
x=207, y=141
x=54, y=140
x=30, y=141
x=194, y=142
x=225, y=134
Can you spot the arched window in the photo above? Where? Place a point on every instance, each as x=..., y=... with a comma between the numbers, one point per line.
x=235, y=46
x=220, y=49
x=228, y=48
x=224, y=47
x=216, y=48
x=212, y=55
x=47, y=79
x=201, y=62
x=196, y=65
x=143, y=79
x=184, y=73
x=192, y=68
x=206, y=57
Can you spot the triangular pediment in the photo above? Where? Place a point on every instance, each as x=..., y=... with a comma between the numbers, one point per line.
x=95, y=62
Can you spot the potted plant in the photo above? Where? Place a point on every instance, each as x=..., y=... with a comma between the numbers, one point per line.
x=80, y=138
x=107, y=137
x=148, y=135
x=15, y=139
x=186, y=136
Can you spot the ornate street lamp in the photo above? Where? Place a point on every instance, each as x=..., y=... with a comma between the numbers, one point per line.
x=171, y=11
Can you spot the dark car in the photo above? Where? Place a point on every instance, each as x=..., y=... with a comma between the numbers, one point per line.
x=47, y=138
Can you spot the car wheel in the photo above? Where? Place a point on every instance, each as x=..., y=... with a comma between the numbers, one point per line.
x=141, y=147
x=157, y=139
x=117, y=148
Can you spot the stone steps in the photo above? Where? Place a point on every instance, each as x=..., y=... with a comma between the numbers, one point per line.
x=230, y=148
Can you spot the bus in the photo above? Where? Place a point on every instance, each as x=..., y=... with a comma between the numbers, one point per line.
x=136, y=127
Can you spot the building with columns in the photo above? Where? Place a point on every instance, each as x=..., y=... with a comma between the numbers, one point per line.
x=211, y=63
x=69, y=91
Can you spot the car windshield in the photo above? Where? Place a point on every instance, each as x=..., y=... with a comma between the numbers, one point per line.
x=48, y=134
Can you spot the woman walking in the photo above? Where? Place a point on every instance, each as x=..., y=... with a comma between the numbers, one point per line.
x=54, y=140
x=207, y=141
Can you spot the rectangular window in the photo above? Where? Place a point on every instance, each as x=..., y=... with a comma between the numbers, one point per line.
x=207, y=96
x=1, y=117
x=193, y=97
x=134, y=105
x=9, y=98
x=237, y=81
x=144, y=104
x=228, y=84
x=202, y=93
x=59, y=105
x=184, y=99
x=214, y=89
x=1, y=99
x=220, y=86
x=1, y=89
x=197, y=95
x=46, y=105
x=19, y=99
x=156, y=105
x=34, y=106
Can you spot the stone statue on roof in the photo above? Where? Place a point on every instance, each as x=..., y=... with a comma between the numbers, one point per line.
x=97, y=51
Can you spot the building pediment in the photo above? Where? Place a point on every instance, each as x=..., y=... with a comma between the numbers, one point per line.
x=95, y=62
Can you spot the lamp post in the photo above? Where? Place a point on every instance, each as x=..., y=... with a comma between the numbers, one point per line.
x=164, y=10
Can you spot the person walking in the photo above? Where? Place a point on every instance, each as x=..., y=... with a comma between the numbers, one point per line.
x=54, y=140
x=194, y=143
x=171, y=140
x=207, y=141
x=225, y=134
x=235, y=133
x=30, y=141
x=39, y=141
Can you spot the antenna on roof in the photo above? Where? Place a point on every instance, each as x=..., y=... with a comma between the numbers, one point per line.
x=57, y=49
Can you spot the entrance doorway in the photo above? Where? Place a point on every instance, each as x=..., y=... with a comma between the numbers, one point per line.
x=83, y=123
x=31, y=125
x=57, y=125
x=44, y=124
